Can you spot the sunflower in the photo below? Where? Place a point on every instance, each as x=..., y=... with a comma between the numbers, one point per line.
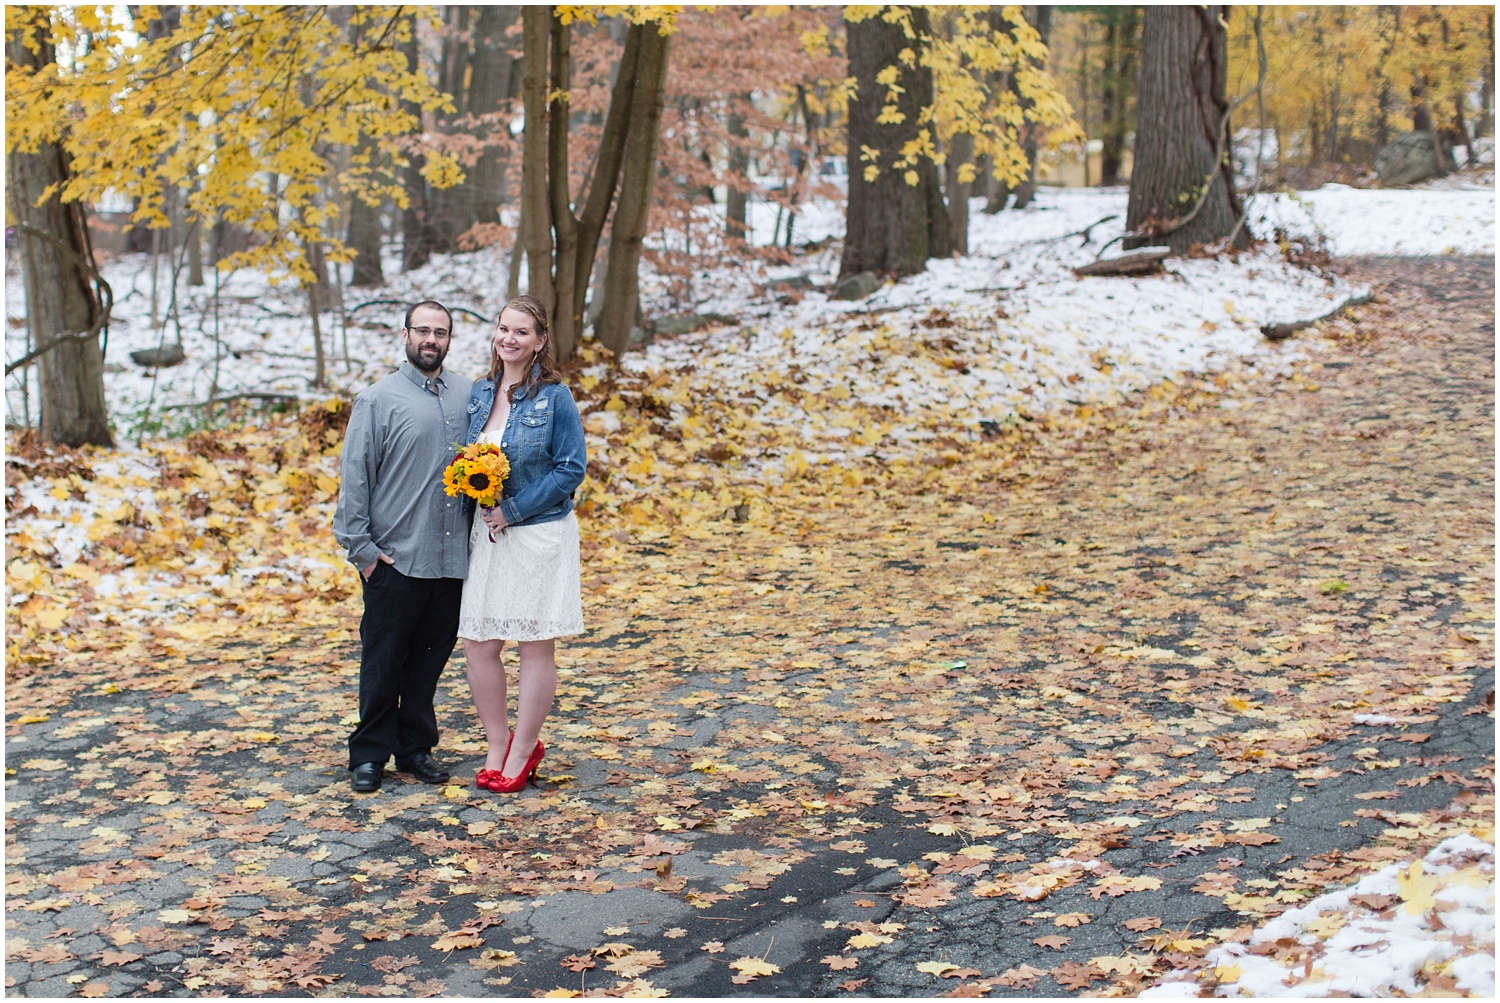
x=478, y=472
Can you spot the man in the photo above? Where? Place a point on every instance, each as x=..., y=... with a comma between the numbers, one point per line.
x=410, y=542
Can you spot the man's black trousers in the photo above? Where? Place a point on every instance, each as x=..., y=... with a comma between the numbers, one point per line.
x=407, y=633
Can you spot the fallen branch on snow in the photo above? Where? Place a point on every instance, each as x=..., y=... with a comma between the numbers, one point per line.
x=1283, y=331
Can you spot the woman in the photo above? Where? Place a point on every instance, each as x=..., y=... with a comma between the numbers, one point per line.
x=523, y=582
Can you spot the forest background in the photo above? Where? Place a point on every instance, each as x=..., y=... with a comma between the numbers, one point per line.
x=331, y=148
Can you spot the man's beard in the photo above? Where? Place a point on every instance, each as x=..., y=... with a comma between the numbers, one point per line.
x=414, y=356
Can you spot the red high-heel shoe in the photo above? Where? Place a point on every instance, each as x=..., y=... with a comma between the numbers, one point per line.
x=484, y=778
x=510, y=785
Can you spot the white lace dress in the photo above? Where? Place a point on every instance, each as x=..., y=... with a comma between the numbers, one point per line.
x=524, y=586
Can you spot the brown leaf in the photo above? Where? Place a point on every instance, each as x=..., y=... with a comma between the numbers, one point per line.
x=1143, y=923
x=316, y=981
x=390, y=964
x=578, y=962
x=1072, y=975
x=119, y=958
x=838, y=962
x=1023, y=976
x=1375, y=903
x=1055, y=942
x=852, y=985
x=938, y=893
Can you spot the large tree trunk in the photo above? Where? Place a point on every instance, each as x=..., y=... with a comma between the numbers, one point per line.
x=491, y=83
x=365, y=235
x=448, y=209
x=1181, y=190
x=63, y=309
x=893, y=226
x=621, y=281
x=536, y=214
x=561, y=278
x=565, y=321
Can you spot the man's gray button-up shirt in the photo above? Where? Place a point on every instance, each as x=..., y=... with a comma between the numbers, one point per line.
x=403, y=432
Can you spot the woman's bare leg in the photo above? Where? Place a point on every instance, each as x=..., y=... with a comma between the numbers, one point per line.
x=534, y=695
x=487, y=687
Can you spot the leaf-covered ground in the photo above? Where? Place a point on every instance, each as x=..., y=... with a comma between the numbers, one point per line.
x=1055, y=709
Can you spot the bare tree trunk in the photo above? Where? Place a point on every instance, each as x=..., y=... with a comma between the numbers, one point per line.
x=1486, y=124
x=492, y=68
x=1041, y=19
x=737, y=199
x=194, y=239
x=64, y=311
x=565, y=321
x=1181, y=192
x=365, y=235
x=621, y=285
x=317, y=300
x=960, y=152
x=536, y=215
x=996, y=192
x=1385, y=20
x=893, y=227
x=416, y=234
x=619, y=123
x=1121, y=42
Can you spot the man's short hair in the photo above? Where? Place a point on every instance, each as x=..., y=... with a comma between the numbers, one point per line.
x=432, y=303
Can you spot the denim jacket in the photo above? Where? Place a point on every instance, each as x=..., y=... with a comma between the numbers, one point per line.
x=543, y=440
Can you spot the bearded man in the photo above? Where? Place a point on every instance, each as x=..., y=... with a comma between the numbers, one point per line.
x=410, y=542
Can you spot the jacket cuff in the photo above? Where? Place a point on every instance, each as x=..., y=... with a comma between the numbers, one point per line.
x=509, y=510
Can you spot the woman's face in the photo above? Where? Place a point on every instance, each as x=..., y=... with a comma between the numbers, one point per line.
x=516, y=338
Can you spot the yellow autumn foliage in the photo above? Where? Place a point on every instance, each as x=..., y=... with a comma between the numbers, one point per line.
x=213, y=107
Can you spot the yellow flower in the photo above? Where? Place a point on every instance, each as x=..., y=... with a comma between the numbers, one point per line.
x=478, y=472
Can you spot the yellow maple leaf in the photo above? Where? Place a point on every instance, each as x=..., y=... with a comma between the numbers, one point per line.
x=44, y=764
x=754, y=967
x=868, y=940
x=1417, y=889
x=457, y=940
x=938, y=968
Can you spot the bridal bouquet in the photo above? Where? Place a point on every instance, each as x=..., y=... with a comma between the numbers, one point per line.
x=478, y=472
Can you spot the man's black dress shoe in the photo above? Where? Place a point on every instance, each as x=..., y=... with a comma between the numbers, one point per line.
x=366, y=777
x=424, y=768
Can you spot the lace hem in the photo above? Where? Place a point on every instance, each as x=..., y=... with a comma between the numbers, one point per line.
x=484, y=628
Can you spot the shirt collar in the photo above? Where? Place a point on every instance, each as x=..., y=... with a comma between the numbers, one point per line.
x=422, y=382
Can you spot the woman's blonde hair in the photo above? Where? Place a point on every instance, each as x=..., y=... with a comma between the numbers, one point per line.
x=544, y=368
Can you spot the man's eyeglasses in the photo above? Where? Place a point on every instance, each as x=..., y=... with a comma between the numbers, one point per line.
x=422, y=332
